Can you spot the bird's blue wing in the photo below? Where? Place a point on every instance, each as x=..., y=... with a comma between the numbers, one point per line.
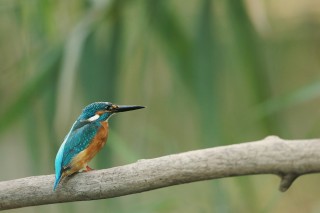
x=76, y=141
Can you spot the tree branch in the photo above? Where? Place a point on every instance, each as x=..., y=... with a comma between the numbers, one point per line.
x=286, y=158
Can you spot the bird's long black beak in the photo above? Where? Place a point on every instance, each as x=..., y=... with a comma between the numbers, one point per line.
x=124, y=108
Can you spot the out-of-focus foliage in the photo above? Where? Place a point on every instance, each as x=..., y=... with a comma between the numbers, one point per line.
x=211, y=73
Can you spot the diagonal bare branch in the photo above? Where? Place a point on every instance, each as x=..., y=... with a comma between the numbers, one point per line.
x=286, y=158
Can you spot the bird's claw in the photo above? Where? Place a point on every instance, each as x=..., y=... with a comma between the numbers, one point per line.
x=88, y=169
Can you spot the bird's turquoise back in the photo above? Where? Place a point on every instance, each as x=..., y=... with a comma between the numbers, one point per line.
x=77, y=140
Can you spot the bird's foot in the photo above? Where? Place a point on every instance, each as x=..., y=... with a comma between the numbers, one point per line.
x=88, y=169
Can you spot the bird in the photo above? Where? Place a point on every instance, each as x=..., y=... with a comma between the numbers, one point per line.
x=86, y=138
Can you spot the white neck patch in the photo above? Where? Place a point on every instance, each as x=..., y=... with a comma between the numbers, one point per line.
x=93, y=118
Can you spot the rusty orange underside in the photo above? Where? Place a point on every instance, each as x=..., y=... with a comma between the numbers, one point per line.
x=81, y=160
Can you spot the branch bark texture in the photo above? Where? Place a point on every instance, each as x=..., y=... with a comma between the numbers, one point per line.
x=286, y=158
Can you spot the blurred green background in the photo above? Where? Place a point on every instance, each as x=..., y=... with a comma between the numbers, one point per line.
x=211, y=73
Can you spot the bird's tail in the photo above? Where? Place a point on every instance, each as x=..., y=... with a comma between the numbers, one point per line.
x=57, y=181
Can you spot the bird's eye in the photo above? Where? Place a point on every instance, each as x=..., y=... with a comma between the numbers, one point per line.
x=108, y=107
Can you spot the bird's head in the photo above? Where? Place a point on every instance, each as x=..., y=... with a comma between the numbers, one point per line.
x=101, y=111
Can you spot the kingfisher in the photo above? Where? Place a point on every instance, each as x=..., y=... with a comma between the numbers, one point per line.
x=86, y=138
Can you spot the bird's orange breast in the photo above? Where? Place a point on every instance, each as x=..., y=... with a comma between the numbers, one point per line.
x=80, y=161
x=97, y=142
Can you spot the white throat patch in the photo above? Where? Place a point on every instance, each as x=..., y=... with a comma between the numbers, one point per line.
x=93, y=118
